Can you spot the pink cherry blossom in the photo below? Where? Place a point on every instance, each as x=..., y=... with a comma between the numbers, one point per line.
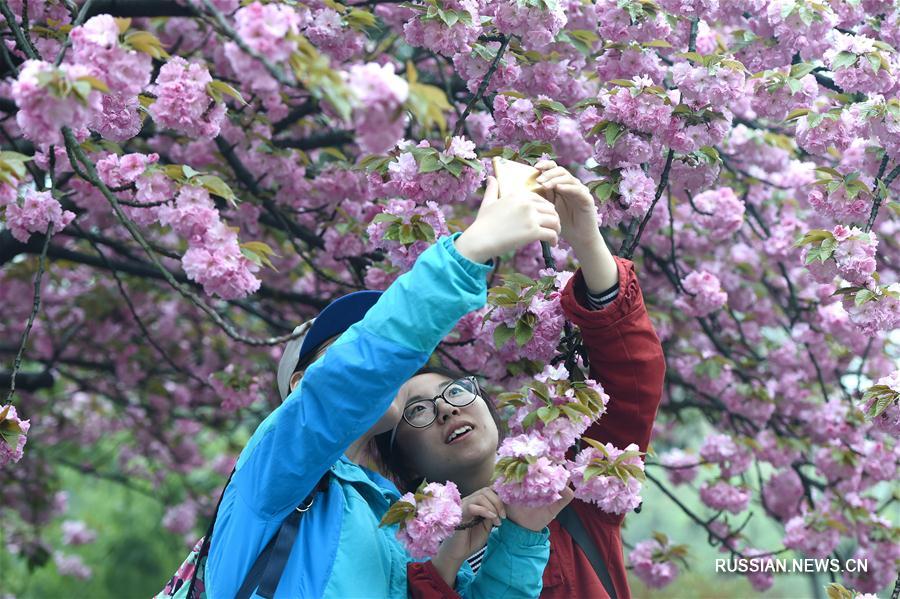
x=435, y=519
x=38, y=212
x=705, y=294
x=650, y=565
x=723, y=496
x=182, y=102
x=9, y=453
x=607, y=490
x=48, y=101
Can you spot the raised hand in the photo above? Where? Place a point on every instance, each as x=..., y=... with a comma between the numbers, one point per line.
x=506, y=225
x=574, y=204
x=481, y=511
x=578, y=219
x=536, y=518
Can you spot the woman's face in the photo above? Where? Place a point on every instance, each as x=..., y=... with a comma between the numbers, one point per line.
x=434, y=452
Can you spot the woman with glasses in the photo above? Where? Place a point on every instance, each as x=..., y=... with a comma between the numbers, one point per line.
x=451, y=431
x=300, y=515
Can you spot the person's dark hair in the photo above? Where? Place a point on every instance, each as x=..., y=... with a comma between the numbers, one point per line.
x=397, y=468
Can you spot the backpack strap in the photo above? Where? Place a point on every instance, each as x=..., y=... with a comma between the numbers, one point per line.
x=265, y=574
x=571, y=521
x=194, y=593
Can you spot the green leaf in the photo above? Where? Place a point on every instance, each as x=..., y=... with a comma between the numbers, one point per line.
x=430, y=164
x=428, y=104
x=360, y=19
x=593, y=471
x=816, y=235
x=711, y=153
x=874, y=61
x=215, y=186
x=838, y=591
x=844, y=59
x=863, y=296
x=217, y=89
x=400, y=511
x=146, y=42
x=14, y=163
x=612, y=133
x=502, y=334
x=529, y=420
x=426, y=232
x=695, y=57
x=602, y=190
x=596, y=445
x=797, y=113
x=406, y=234
x=455, y=168
x=800, y=70
x=524, y=332
x=384, y=217
x=514, y=399
x=95, y=83
x=813, y=119
x=547, y=413
x=502, y=296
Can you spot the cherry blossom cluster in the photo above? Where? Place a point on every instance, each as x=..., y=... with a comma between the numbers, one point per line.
x=405, y=230
x=214, y=257
x=526, y=318
x=848, y=252
x=655, y=561
x=426, y=518
x=549, y=417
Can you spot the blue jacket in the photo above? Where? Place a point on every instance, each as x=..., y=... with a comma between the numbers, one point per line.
x=340, y=550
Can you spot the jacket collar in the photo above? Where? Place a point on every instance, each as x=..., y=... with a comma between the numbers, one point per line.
x=348, y=472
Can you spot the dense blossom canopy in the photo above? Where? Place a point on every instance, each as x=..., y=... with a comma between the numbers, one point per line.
x=187, y=180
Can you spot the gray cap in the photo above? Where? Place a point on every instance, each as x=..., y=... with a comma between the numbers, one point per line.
x=290, y=358
x=333, y=320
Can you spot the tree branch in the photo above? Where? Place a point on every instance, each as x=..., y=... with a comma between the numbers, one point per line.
x=482, y=87
x=319, y=140
x=34, y=310
x=10, y=248
x=26, y=381
x=663, y=181
x=140, y=8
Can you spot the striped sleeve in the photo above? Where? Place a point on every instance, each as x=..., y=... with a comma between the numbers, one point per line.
x=598, y=301
x=475, y=559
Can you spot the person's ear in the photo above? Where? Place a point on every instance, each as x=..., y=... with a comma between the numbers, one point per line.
x=295, y=379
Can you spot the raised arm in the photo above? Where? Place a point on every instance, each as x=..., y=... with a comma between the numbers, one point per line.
x=347, y=390
x=625, y=357
x=624, y=351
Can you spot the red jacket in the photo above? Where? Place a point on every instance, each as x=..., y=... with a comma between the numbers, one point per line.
x=627, y=359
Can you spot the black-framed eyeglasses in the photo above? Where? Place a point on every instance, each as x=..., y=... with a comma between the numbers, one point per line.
x=423, y=412
x=459, y=393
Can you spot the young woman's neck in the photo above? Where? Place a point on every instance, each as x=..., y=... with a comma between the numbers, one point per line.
x=360, y=451
x=475, y=478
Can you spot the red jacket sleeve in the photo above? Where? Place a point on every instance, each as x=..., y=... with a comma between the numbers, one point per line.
x=423, y=581
x=625, y=356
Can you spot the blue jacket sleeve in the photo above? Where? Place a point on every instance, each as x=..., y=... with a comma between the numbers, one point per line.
x=513, y=565
x=348, y=389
